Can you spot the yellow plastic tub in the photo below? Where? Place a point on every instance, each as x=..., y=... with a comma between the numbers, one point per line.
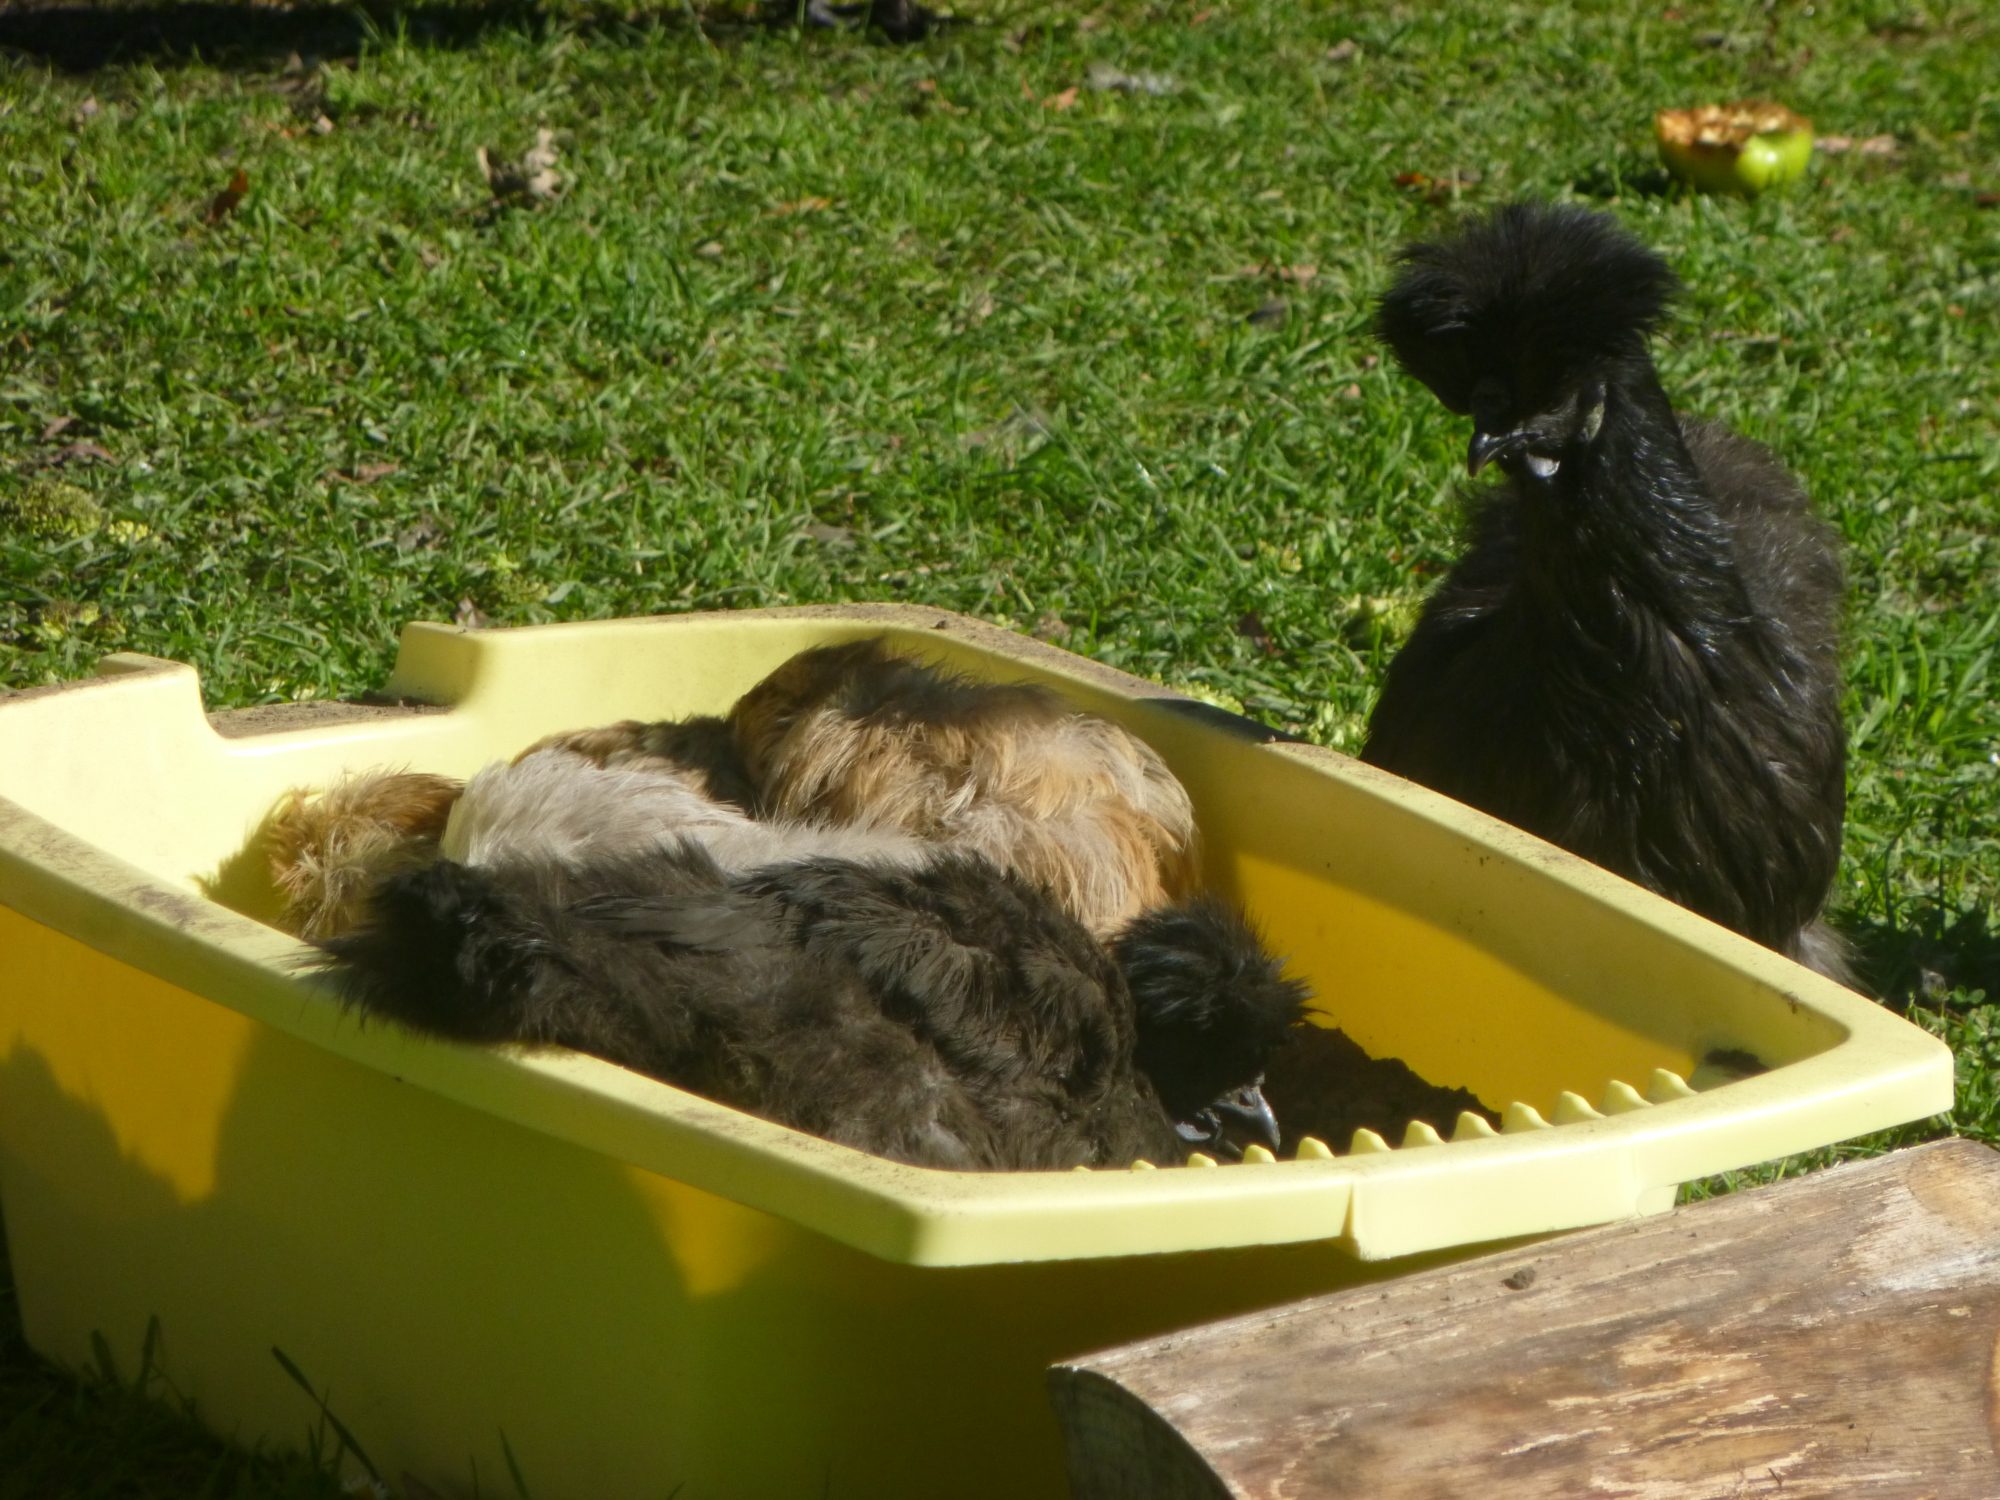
x=629, y=1289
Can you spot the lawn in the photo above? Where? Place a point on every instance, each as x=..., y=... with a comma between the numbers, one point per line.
x=1059, y=318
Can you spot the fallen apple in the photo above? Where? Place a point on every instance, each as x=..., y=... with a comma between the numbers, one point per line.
x=1734, y=148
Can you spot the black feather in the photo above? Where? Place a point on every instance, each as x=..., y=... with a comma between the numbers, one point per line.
x=1637, y=655
x=950, y=1016
x=1535, y=291
x=1212, y=1002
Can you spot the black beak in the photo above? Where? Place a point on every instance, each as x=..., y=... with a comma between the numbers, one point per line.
x=1249, y=1111
x=1233, y=1121
x=1487, y=446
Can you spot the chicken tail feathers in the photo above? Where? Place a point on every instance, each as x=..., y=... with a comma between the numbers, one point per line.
x=442, y=950
x=1825, y=951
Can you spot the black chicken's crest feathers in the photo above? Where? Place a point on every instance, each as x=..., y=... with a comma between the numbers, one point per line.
x=1530, y=293
x=1212, y=1002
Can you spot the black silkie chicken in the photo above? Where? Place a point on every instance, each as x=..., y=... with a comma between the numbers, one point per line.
x=945, y=1014
x=1636, y=657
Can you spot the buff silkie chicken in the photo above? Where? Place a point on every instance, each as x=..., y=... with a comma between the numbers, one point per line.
x=328, y=849
x=863, y=735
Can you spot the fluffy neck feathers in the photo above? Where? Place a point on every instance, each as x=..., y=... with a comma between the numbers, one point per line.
x=1627, y=524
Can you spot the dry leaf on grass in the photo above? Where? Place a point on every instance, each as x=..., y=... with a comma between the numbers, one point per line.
x=224, y=203
x=1436, y=189
x=1252, y=628
x=978, y=310
x=533, y=179
x=426, y=534
x=929, y=98
x=1296, y=275
x=1108, y=79
x=1874, y=145
x=82, y=452
x=1021, y=431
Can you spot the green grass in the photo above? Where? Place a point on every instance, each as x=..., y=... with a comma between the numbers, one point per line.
x=125, y=1434
x=817, y=319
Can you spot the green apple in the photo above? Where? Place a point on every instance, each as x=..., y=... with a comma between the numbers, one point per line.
x=1744, y=147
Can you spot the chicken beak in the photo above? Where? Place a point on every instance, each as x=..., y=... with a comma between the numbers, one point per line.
x=1231, y=1122
x=1487, y=446
x=1250, y=1112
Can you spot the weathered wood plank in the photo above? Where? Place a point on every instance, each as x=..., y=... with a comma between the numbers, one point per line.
x=1834, y=1335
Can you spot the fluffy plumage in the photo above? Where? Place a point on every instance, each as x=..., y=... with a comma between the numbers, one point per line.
x=702, y=748
x=948, y=1015
x=853, y=737
x=559, y=807
x=860, y=735
x=848, y=978
x=328, y=850
x=1213, y=1003
x=1636, y=657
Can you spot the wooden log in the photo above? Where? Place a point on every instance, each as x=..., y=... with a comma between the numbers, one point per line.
x=1832, y=1335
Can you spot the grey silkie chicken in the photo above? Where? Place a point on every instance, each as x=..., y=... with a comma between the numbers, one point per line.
x=1637, y=655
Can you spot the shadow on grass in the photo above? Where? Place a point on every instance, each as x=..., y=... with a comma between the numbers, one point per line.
x=1626, y=179
x=83, y=38
x=1927, y=955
